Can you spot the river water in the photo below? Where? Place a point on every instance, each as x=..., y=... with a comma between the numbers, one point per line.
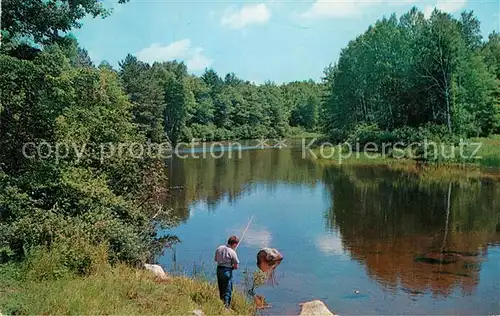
x=408, y=243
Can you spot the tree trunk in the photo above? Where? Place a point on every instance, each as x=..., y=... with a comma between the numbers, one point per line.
x=448, y=106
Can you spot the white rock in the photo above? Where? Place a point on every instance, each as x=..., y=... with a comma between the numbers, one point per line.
x=157, y=271
x=198, y=312
x=315, y=307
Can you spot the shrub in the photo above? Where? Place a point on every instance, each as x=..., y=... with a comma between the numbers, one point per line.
x=370, y=133
x=66, y=256
x=337, y=136
x=46, y=202
x=496, y=129
x=223, y=134
x=364, y=133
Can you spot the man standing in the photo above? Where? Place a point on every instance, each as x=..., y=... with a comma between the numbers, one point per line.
x=227, y=261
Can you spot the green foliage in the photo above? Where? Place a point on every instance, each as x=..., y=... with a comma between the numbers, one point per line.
x=302, y=100
x=52, y=200
x=208, y=108
x=146, y=96
x=414, y=71
x=497, y=121
x=64, y=258
x=365, y=133
x=45, y=21
x=118, y=290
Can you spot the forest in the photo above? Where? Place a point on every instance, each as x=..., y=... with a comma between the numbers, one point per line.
x=168, y=100
x=412, y=76
x=400, y=79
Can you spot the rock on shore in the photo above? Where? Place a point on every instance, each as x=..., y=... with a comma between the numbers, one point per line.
x=315, y=307
x=157, y=271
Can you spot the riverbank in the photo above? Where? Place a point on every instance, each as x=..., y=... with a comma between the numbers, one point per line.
x=487, y=156
x=117, y=290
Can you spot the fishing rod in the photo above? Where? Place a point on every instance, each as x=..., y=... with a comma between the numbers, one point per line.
x=244, y=232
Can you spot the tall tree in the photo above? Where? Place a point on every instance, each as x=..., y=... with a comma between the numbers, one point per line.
x=146, y=95
x=46, y=21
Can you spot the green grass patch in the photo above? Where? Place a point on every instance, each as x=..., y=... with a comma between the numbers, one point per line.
x=489, y=151
x=485, y=167
x=331, y=156
x=119, y=290
x=299, y=132
x=488, y=155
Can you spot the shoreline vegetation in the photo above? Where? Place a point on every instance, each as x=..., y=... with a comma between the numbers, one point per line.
x=487, y=167
x=486, y=156
x=117, y=290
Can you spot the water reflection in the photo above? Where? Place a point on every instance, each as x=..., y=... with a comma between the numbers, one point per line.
x=409, y=233
x=212, y=180
x=415, y=237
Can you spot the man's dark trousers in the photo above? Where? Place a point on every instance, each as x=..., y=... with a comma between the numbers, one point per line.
x=225, y=282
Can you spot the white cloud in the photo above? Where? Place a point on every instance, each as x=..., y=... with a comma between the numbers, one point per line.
x=428, y=11
x=330, y=244
x=338, y=8
x=258, y=238
x=180, y=50
x=254, y=237
x=249, y=14
x=344, y=8
x=449, y=6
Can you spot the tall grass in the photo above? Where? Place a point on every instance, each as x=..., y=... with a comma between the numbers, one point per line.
x=121, y=291
x=488, y=156
x=490, y=151
x=41, y=285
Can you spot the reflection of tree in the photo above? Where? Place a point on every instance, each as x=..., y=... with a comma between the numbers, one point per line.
x=412, y=233
x=211, y=180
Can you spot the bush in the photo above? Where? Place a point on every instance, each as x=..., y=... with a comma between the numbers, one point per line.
x=370, y=133
x=496, y=129
x=407, y=135
x=203, y=132
x=438, y=133
x=337, y=136
x=46, y=202
x=66, y=256
x=364, y=133
x=223, y=134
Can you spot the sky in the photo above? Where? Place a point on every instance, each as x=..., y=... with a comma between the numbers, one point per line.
x=280, y=41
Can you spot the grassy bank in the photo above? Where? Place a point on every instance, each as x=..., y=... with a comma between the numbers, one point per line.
x=118, y=290
x=488, y=155
x=486, y=167
x=489, y=152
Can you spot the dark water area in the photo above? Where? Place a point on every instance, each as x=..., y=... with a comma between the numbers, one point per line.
x=408, y=244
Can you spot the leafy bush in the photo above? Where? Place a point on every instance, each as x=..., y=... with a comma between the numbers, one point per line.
x=337, y=136
x=370, y=133
x=55, y=210
x=364, y=133
x=437, y=133
x=203, y=132
x=496, y=129
x=223, y=134
x=66, y=256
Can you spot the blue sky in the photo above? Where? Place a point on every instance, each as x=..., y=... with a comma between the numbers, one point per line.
x=258, y=40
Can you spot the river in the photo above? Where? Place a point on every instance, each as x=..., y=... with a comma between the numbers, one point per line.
x=408, y=244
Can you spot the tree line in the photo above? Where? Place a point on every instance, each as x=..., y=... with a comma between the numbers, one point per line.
x=411, y=72
x=168, y=100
